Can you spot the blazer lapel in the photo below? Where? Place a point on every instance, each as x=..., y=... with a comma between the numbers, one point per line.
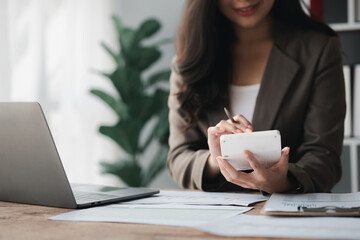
x=279, y=72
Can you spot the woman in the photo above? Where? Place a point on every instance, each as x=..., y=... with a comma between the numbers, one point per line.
x=275, y=68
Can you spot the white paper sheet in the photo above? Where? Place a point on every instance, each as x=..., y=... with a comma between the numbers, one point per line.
x=285, y=227
x=201, y=198
x=169, y=214
x=291, y=202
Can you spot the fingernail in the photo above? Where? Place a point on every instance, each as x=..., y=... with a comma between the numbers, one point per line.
x=218, y=158
x=238, y=130
x=222, y=129
x=248, y=130
x=286, y=150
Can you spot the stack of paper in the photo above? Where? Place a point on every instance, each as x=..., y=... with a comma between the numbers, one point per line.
x=293, y=227
x=201, y=198
x=177, y=208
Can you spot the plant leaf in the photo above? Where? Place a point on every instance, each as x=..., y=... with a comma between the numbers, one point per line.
x=160, y=131
x=107, y=75
x=115, y=134
x=115, y=56
x=162, y=127
x=159, y=100
x=144, y=57
x=136, y=102
x=117, y=23
x=125, y=133
x=141, y=108
x=127, y=41
x=149, y=106
x=129, y=171
x=117, y=105
x=127, y=82
x=147, y=29
x=157, y=164
x=159, y=76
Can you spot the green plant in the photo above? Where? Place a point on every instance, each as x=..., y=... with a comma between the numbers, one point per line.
x=138, y=102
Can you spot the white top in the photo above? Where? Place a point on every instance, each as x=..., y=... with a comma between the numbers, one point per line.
x=243, y=99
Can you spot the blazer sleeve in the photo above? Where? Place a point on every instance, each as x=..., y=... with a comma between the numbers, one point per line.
x=319, y=167
x=188, y=152
x=189, y=149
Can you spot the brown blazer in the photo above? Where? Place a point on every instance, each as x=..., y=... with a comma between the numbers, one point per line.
x=302, y=95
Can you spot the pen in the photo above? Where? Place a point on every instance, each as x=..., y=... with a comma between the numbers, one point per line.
x=331, y=211
x=229, y=115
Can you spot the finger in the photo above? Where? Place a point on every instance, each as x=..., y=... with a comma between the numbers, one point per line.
x=254, y=163
x=223, y=170
x=231, y=170
x=230, y=127
x=228, y=172
x=240, y=118
x=233, y=176
x=284, y=159
x=212, y=130
x=239, y=125
x=215, y=131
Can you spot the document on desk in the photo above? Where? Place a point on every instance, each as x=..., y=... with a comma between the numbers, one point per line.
x=291, y=202
x=285, y=227
x=161, y=214
x=201, y=198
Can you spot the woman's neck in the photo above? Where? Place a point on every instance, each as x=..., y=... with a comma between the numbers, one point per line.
x=251, y=52
x=260, y=33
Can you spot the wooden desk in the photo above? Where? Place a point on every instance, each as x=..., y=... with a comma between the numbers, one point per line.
x=20, y=221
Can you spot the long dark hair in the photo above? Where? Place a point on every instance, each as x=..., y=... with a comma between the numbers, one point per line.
x=203, y=47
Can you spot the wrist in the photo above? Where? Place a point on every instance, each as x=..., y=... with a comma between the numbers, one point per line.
x=211, y=167
x=295, y=186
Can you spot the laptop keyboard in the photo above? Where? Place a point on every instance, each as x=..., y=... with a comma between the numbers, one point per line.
x=92, y=197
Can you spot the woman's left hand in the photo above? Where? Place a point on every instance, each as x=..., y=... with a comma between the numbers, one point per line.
x=271, y=180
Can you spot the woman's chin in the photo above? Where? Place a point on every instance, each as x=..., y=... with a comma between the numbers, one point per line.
x=248, y=24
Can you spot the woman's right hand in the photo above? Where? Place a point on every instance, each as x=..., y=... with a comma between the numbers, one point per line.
x=223, y=127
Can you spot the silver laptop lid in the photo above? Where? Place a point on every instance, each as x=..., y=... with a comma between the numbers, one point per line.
x=30, y=167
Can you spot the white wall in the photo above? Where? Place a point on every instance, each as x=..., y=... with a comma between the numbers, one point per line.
x=5, y=59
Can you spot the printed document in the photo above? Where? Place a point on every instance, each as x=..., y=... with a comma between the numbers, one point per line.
x=201, y=198
x=169, y=214
x=291, y=202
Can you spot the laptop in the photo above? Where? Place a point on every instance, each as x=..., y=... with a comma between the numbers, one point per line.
x=31, y=171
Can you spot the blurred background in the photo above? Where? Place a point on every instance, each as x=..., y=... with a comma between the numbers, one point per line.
x=51, y=53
